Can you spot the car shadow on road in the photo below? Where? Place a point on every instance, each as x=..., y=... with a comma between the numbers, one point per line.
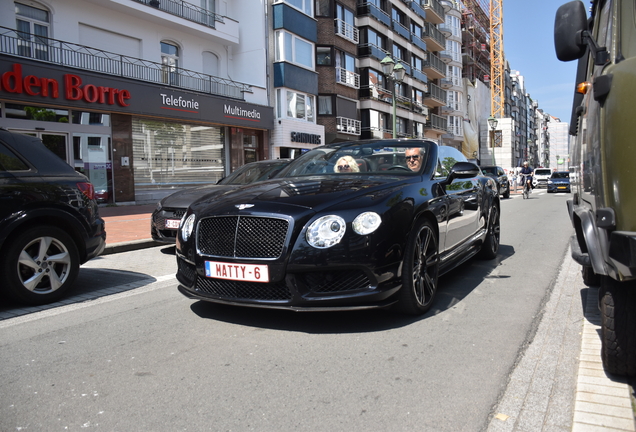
x=453, y=288
x=91, y=283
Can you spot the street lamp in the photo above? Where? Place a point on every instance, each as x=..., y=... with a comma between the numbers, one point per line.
x=395, y=73
x=492, y=122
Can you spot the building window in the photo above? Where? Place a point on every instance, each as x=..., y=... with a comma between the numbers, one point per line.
x=377, y=123
x=299, y=106
x=416, y=62
x=292, y=49
x=323, y=8
x=323, y=56
x=397, y=16
x=453, y=49
x=418, y=96
x=169, y=63
x=376, y=39
x=398, y=52
x=377, y=86
x=345, y=15
x=454, y=24
x=345, y=69
x=305, y=6
x=32, y=26
x=401, y=125
x=416, y=29
x=325, y=105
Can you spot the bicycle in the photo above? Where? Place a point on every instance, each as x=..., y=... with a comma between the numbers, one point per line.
x=527, y=189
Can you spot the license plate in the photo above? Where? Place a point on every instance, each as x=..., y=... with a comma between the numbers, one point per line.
x=172, y=223
x=561, y=187
x=237, y=272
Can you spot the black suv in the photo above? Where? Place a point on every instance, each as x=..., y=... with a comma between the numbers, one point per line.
x=49, y=221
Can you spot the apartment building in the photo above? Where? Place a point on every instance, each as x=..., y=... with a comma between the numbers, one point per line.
x=357, y=97
x=453, y=82
x=293, y=78
x=143, y=96
x=559, y=144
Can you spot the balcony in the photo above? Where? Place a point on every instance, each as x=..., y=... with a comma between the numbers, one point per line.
x=401, y=30
x=186, y=11
x=415, y=7
x=418, y=42
x=435, y=96
x=434, y=11
x=446, y=83
x=370, y=50
x=445, y=57
x=369, y=9
x=446, y=31
x=348, y=126
x=348, y=78
x=434, y=67
x=347, y=31
x=434, y=38
x=91, y=59
x=437, y=123
x=419, y=75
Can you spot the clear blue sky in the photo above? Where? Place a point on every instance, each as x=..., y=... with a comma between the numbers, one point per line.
x=529, y=48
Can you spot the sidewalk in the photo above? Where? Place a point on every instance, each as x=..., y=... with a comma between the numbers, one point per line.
x=127, y=227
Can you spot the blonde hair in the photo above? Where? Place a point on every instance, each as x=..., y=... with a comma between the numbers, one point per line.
x=350, y=161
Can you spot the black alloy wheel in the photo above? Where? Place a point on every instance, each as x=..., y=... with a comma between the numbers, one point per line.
x=40, y=265
x=490, y=248
x=420, y=271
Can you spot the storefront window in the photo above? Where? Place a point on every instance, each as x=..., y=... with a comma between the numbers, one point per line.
x=40, y=113
x=168, y=154
x=91, y=118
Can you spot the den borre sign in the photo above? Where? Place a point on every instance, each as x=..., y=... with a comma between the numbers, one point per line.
x=42, y=83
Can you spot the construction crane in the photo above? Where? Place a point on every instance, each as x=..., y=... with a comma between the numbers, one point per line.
x=497, y=85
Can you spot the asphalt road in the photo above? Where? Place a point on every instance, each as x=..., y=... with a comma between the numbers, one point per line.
x=135, y=355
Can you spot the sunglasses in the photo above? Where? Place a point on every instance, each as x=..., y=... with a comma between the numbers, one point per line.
x=343, y=167
x=415, y=157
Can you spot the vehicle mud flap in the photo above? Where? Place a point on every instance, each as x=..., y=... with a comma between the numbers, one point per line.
x=588, y=230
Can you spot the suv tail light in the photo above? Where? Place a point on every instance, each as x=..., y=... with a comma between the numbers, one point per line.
x=87, y=189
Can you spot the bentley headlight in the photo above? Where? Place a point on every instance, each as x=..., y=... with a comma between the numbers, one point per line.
x=187, y=226
x=326, y=231
x=366, y=223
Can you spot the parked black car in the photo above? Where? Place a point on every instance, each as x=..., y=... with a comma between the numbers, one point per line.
x=500, y=177
x=559, y=181
x=170, y=210
x=321, y=237
x=49, y=221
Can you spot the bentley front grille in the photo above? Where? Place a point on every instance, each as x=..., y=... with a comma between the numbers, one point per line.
x=242, y=236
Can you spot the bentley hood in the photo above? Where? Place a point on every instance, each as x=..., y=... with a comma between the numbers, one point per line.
x=316, y=193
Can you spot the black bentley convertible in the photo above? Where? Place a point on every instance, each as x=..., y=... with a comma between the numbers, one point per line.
x=321, y=237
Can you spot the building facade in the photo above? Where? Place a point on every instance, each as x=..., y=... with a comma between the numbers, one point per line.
x=141, y=96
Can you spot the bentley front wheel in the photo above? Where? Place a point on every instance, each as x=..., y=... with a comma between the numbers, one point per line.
x=420, y=270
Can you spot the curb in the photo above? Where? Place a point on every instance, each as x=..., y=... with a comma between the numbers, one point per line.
x=130, y=246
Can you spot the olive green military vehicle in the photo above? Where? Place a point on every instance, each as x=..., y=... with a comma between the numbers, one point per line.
x=603, y=161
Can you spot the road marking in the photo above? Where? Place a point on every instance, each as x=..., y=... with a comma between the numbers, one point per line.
x=104, y=295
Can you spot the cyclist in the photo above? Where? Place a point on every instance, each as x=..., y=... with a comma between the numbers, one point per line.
x=526, y=174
